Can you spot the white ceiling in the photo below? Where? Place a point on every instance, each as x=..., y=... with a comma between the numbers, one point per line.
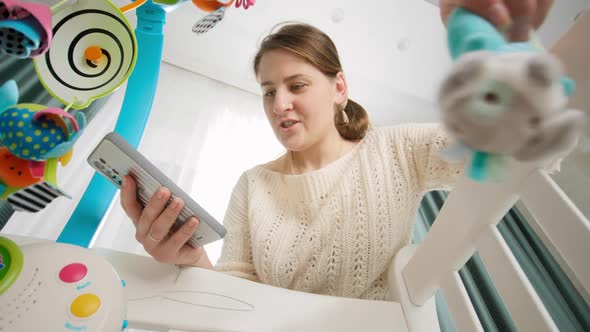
x=390, y=46
x=367, y=39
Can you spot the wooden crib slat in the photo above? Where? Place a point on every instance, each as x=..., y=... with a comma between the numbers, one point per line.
x=460, y=305
x=564, y=225
x=525, y=306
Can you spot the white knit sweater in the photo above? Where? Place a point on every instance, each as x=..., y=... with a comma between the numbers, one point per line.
x=335, y=230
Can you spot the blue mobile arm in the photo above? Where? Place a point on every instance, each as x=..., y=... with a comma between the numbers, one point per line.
x=139, y=97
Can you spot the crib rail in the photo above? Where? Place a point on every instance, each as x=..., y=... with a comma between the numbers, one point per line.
x=528, y=312
x=457, y=299
x=466, y=225
x=452, y=239
x=562, y=223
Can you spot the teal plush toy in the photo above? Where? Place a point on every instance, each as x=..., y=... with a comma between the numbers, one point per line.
x=468, y=32
x=503, y=99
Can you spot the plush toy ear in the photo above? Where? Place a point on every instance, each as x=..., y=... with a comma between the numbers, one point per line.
x=543, y=70
x=558, y=133
x=463, y=72
x=58, y=116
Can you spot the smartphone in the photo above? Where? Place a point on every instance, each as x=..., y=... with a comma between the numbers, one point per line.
x=114, y=158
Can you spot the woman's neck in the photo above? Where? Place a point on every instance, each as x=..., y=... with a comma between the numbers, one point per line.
x=318, y=156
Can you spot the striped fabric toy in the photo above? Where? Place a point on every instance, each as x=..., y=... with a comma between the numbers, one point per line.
x=35, y=198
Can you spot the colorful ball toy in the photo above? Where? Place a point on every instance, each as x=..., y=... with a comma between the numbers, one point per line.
x=34, y=138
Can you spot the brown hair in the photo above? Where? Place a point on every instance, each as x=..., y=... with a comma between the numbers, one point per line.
x=317, y=48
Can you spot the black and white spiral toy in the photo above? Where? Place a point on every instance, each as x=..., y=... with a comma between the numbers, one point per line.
x=66, y=71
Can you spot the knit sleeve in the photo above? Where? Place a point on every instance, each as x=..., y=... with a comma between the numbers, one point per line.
x=236, y=253
x=424, y=144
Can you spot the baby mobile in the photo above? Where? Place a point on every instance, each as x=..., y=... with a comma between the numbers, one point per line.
x=216, y=10
x=82, y=50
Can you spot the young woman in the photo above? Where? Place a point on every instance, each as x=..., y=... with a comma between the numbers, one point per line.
x=330, y=214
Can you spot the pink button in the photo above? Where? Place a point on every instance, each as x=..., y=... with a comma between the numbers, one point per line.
x=73, y=272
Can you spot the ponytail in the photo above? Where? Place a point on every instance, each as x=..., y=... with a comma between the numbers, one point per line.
x=358, y=121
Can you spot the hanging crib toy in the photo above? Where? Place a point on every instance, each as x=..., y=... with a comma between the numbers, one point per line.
x=34, y=138
x=245, y=3
x=503, y=99
x=93, y=52
x=216, y=12
x=82, y=51
x=25, y=28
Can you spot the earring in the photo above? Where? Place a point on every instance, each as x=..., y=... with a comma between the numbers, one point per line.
x=342, y=107
x=345, y=117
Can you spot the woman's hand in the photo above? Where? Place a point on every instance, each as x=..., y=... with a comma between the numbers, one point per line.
x=517, y=17
x=153, y=224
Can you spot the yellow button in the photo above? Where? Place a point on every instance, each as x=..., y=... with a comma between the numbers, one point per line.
x=85, y=305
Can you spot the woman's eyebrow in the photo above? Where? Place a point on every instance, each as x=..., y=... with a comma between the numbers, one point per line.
x=290, y=78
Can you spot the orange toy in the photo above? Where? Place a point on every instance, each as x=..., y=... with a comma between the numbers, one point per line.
x=211, y=5
x=15, y=172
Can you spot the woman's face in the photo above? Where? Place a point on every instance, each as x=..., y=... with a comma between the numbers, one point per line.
x=299, y=100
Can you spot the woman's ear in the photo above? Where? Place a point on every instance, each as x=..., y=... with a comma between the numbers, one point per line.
x=341, y=89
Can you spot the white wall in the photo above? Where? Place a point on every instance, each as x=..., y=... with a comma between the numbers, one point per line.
x=560, y=18
x=574, y=50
